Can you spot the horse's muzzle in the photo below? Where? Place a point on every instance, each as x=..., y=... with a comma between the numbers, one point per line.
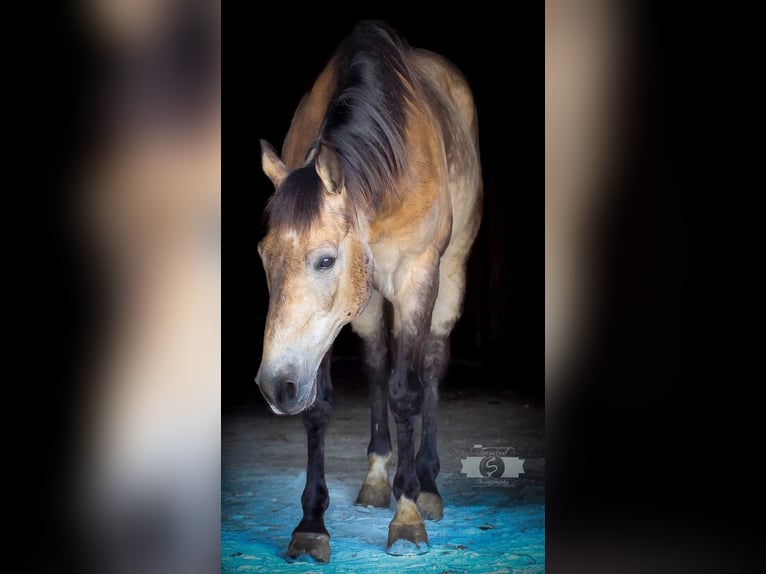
x=285, y=396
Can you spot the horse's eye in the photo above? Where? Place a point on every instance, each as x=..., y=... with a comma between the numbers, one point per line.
x=325, y=262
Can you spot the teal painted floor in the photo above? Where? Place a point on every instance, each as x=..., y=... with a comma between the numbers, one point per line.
x=485, y=529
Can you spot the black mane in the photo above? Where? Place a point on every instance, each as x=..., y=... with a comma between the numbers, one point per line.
x=364, y=124
x=367, y=116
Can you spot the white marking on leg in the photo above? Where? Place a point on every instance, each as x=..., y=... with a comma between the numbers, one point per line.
x=406, y=512
x=378, y=472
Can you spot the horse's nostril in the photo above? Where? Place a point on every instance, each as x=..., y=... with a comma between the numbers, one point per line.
x=288, y=394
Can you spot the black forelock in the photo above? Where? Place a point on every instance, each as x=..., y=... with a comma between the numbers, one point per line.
x=297, y=201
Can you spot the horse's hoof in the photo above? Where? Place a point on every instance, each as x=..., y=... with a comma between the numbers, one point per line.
x=314, y=544
x=405, y=539
x=377, y=495
x=430, y=506
x=407, y=527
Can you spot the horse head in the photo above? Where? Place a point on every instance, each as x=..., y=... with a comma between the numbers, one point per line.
x=318, y=268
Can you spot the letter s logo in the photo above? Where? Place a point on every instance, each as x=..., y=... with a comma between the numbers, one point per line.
x=492, y=467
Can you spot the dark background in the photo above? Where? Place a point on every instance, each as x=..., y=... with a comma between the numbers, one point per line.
x=504, y=276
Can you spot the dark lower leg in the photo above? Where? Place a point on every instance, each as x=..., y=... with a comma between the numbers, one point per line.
x=376, y=369
x=311, y=536
x=405, y=400
x=405, y=392
x=406, y=480
x=405, y=395
x=315, y=498
x=435, y=358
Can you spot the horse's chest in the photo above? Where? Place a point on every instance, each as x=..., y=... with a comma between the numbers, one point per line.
x=399, y=273
x=387, y=261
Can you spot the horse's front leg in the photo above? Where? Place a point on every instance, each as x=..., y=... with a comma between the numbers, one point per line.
x=412, y=316
x=310, y=536
x=434, y=359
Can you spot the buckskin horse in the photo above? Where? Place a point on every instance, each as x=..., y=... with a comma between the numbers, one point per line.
x=377, y=202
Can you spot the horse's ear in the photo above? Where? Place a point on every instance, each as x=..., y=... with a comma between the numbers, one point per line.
x=329, y=170
x=273, y=167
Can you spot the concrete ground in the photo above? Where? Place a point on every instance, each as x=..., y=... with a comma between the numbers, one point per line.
x=495, y=527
